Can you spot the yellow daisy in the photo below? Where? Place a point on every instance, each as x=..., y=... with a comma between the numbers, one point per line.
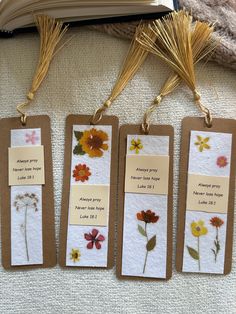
x=92, y=142
x=198, y=229
x=202, y=143
x=136, y=145
x=75, y=255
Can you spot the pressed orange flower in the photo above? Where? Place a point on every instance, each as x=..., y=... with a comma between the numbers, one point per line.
x=222, y=161
x=147, y=216
x=92, y=142
x=81, y=172
x=202, y=143
x=216, y=222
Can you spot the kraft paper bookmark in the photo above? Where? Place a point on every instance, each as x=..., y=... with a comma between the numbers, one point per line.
x=206, y=200
x=145, y=203
x=27, y=202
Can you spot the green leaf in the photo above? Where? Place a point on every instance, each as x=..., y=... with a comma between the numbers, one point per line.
x=78, y=135
x=193, y=253
x=78, y=150
x=151, y=244
x=142, y=231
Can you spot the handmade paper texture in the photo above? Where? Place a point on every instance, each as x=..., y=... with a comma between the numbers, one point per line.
x=206, y=216
x=26, y=210
x=145, y=218
x=207, y=262
x=90, y=169
x=26, y=165
x=215, y=157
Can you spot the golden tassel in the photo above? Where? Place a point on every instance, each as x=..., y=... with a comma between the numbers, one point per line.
x=181, y=44
x=51, y=33
x=134, y=59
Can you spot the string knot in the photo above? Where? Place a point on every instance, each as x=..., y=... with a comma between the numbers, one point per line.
x=107, y=103
x=197, y=96
x=158, y=99
x=30, y=96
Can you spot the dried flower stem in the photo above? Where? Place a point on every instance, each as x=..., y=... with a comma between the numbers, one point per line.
x=26, y=240
x=198, y=250
x=146, y=256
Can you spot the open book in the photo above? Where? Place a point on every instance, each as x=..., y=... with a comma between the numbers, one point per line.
x=20, y=14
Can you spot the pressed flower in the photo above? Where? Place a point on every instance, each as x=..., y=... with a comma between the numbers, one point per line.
x=147, y=216
x=81, y=172
x=31, y=138
x=92, y=142
x=94, y=238
x=136, y=145
x=26, y=202
x=75, y=255
x=222, y=161
x=202, y=143
x=216, y=222
x=198, y=228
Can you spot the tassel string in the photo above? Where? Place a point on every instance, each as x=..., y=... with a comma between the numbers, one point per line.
x=134, y=59
x=181, y=44
x=51, y=33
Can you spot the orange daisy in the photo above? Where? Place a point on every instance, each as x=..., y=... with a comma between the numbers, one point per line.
x=222, y=161
x=92, y=142
x=216, y=222
x=81, y=173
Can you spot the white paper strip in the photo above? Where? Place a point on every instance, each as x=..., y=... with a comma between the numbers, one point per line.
x=136, y=260
x=87, y=245
x=26, y=210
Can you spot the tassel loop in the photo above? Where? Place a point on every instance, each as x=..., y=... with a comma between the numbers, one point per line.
x=146, y=118
x=203, y=109
x=100, y=111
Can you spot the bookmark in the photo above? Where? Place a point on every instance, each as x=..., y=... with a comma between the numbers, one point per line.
x=27, y=203
x=207, y=168
x=142, y=145
x=90, y=180
x=145, y=202
x=206, y=201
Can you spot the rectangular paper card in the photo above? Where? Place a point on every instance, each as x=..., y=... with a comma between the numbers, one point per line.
x=27, y=202
x=145, y=203
x=206, y=200
x=89, y=192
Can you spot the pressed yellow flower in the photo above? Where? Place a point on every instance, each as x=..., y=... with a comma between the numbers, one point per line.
x=198, y=228
x=92, y=142
x=202, y=143
x=136, y=145
x=75, y=255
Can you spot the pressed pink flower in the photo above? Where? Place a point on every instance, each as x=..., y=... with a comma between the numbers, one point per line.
x=31, y=138
x=94, y=238
x=222, y=161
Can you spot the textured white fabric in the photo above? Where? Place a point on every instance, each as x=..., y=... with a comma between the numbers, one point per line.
x=80, y=78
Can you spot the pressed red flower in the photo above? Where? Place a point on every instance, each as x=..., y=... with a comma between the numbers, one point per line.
x=216, y=222
x=222, y=161
x=81, y=173
x=94, y=238
x=147, y=216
